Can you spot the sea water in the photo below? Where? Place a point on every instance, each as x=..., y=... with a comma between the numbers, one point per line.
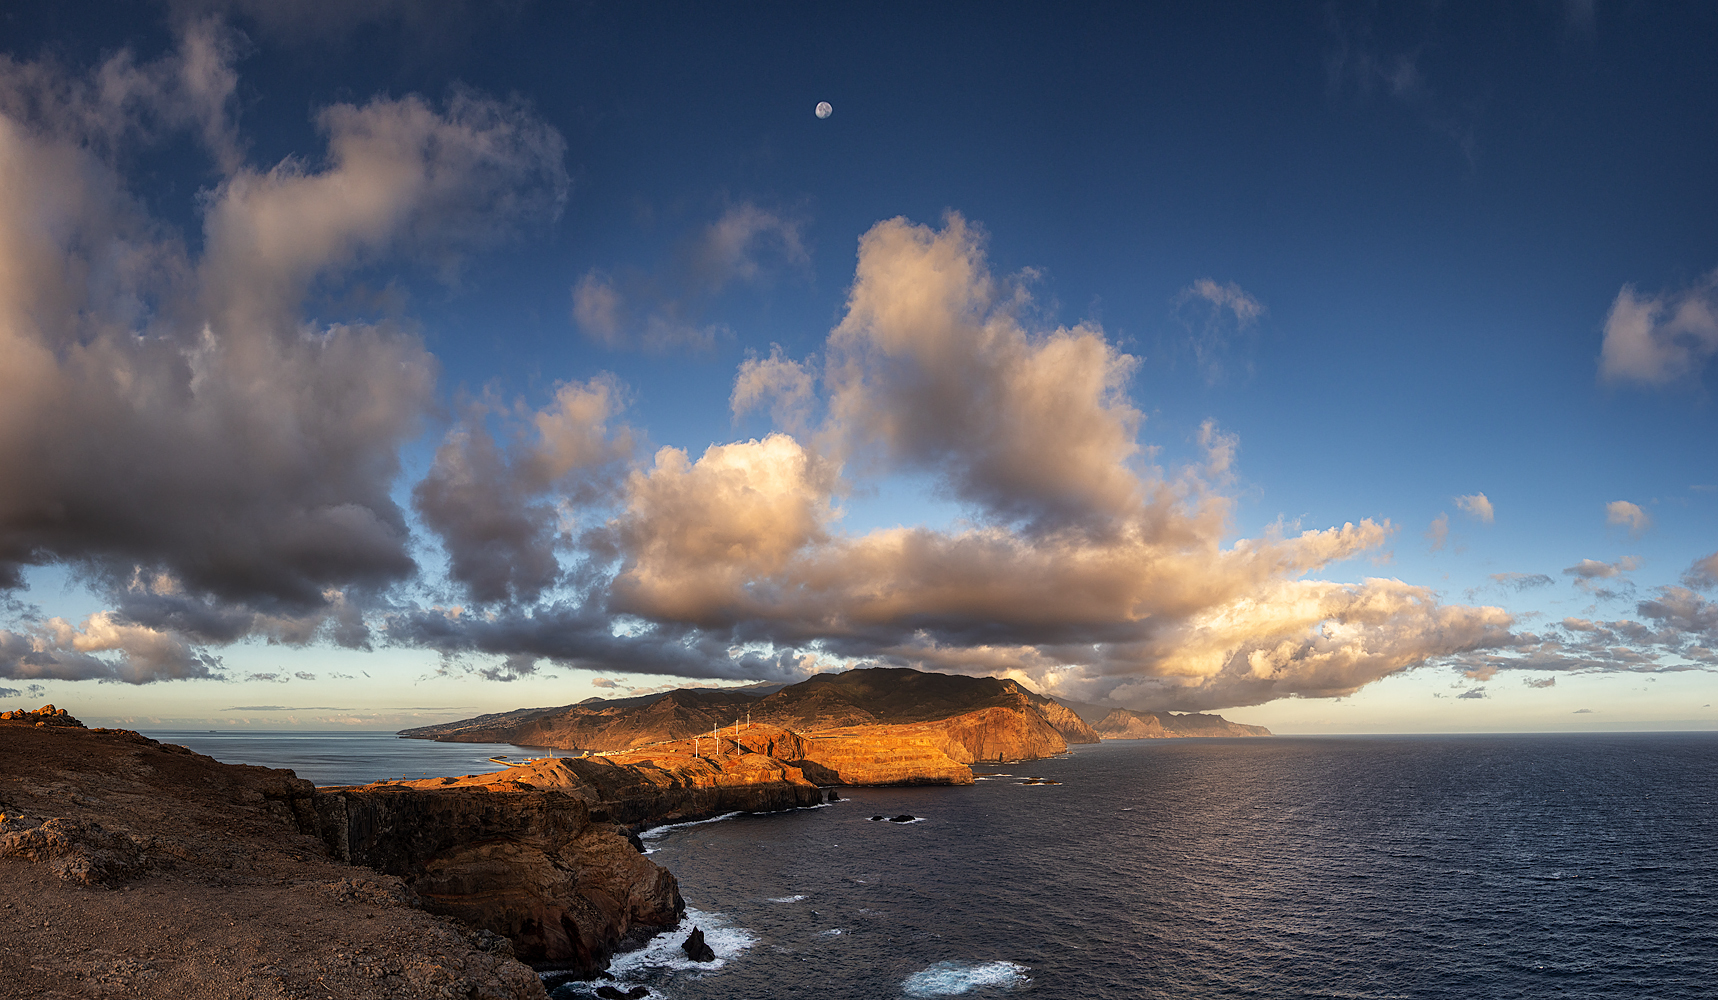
x=1376, y=867
x=347, y=758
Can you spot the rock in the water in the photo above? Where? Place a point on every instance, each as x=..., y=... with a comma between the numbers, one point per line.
x=695, y=947
x=612, y=993
x=903, y=818
x=875, y=819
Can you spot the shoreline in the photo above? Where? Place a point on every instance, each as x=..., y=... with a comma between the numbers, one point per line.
x=535, y=868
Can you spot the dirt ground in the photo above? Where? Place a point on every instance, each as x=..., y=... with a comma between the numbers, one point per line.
x=132, y=869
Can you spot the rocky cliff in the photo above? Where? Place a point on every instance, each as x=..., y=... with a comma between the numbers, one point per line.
x=531, y=865
x=538, y=863
x=888, y=701
x=137, y=868
x=1124, y=724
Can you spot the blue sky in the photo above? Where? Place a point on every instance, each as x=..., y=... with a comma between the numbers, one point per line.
x=343, y=343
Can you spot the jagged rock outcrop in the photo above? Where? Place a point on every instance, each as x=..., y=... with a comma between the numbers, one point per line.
x=1125, y=724
x=47, y=715
x=870, y=723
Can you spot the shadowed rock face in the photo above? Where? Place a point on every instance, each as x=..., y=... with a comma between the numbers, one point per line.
x=525, y=863
x=877, y=726
x=1123, y=724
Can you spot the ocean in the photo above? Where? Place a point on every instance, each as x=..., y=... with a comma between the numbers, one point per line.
x=348, y=757
x=1366, y=867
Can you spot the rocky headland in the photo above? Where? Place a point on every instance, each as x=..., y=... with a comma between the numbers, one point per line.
x=1125, y=724
x=882, y=726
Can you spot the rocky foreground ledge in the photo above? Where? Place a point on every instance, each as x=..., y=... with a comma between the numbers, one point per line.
x=133, y=867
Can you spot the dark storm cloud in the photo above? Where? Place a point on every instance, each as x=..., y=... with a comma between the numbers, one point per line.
x=200, y=451
x=492, y=506
x=575, y=635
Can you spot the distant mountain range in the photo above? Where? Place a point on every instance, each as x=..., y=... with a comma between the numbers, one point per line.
x=872, y=697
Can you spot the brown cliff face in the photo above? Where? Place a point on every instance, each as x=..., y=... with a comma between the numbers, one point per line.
x=1124, y=724
x=525, y=863
x=886, y=703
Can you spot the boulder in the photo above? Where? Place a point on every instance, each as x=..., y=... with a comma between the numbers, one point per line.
x=695, y=947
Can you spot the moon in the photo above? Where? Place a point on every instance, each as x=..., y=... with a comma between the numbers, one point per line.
x=824, y=110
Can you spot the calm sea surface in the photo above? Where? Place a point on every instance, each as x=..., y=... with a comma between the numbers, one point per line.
x=346, y=758
x=1414, y=867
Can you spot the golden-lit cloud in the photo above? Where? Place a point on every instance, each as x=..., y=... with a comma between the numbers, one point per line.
x=785, y=386
x=1082, y=567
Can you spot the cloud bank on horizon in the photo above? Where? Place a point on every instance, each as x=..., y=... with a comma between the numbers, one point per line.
x=220, y=466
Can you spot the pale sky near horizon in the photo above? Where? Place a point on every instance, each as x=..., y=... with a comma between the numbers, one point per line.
x=1337, y=367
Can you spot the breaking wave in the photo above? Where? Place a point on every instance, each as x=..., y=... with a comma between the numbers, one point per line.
x=947, y=979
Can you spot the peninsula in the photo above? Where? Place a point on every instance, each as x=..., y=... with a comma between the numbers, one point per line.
x=876, y=726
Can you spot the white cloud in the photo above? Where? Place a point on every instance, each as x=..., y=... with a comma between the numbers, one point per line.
x=1592, y=569
x=1659, y=339
x=1438, y=534
x=1630, y=515
x=786, y=386
x=1228, y=312
x=1245, y=309
x=1477, y=507
x=1703, y=573
x=597, y=308
x=660, y=310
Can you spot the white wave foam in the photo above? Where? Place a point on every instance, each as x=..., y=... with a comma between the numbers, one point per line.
x=664, y=951
x=947, y=979
x=786, y=899
x=662, y=831
x=832, y=932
